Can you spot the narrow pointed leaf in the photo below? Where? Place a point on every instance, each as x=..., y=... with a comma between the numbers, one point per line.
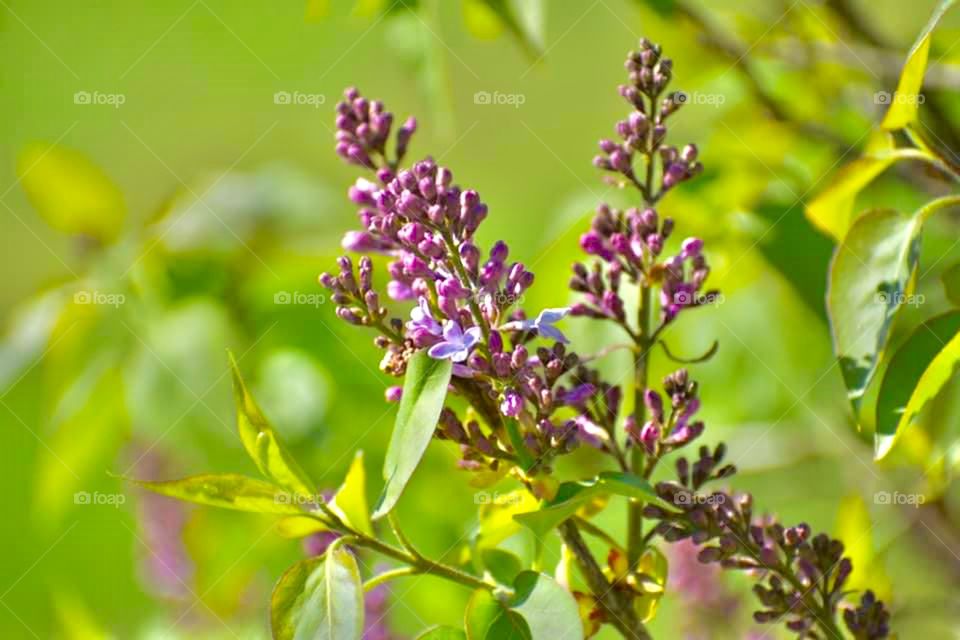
x=263, y=444
x=918, y=371
x=573, y=495
x=228, y=491
x=832, y=209
x=350, y=502
x=424, y=391
x=319, y=599
x=904, y=103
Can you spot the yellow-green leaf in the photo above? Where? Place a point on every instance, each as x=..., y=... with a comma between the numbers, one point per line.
x=350, y=502
x=482, y=22
x=70, y=192
x=905, y=101
x=319, y=599
x=228, y=491
x=263, y=444
x=918, y=372
x=854, y=529
x=572, y=495
x=831, y=210
x=549, y=610
x=299, y=526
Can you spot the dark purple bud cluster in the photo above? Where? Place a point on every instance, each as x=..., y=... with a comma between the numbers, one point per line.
x=666, y=431
x=644, y=130
x=869, y=620
x=804, y=574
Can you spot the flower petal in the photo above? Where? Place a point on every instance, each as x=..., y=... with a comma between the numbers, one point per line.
x=452, y=331
x=471, y=337
x=549, y=316
x=445, y=350
x=549, y=331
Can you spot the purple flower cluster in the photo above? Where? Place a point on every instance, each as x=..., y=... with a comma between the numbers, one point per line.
x=463, y=303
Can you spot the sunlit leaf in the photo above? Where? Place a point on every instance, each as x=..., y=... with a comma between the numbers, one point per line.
x=316, y=10
x=496, y=514
x=653, y=569
x=918, y=371
x=77, y=621
x=572, y=495
x=854, y=529
x=904, y=103
x=424, y=391
x=832, y=209
x=350, y=502
x=319, y=599
x=299, y=526
x=486, y=618
x=663, y=7
x=228, y=491
x=870, y=278
x=482, y=22
x=262, y=444
x=548, y=609
x=502, y=565
x=89, y=420
x=70, y=192
x=951, y=283
x=29, y=328
x=442, y=633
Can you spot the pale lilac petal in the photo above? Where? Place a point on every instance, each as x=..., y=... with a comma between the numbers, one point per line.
x=548, y=331
x=549, y=316
x=444, y=350
x=471, y=337
x=519, y=325
x=452, y=331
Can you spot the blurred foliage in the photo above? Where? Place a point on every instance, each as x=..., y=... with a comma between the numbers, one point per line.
x=132, y=268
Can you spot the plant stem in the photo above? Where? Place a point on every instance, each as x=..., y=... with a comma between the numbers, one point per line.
x=619, y=610
x=641, y=369
x=387, y=576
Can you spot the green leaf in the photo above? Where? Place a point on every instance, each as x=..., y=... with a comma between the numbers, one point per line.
x=502, y=565
x=831, y=210
x=855, y=530
x=424, y=391
x=525, y=19
x=350, y=502
x=951, y=283
x=496, y=514
x=549, y=610
x=442, y=633
x=904, y=103
x=486, y=618
x=319, y=599
x=572, y=495
x=481, y=21
x=870, y=277
x=299, y=526
x=918, y=371
x=663, y=7
x=70, y=192
x=263, y=445
x=228, y=491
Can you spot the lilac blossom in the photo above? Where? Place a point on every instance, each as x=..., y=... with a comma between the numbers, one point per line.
x=543, y=324
x=456, y=342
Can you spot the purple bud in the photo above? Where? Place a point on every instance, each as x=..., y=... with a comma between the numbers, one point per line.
x=654, y=404
x=511, y=403
x=393, y=394
x=691, y=247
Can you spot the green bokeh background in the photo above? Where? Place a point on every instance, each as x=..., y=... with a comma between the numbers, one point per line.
x=199, y=79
